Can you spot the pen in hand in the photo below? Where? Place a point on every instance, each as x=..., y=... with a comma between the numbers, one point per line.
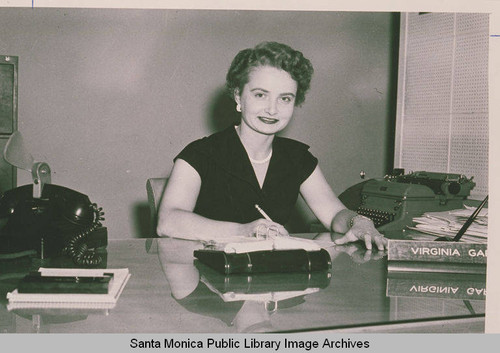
x=280, y=232
x=261, y=211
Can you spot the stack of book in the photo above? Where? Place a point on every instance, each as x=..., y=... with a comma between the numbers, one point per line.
x=436, y=256
x=69, y=288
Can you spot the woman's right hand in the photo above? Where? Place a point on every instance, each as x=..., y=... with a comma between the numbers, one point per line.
x=262, y=228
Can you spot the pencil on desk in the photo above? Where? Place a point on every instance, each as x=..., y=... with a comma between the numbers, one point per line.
x=261, y=211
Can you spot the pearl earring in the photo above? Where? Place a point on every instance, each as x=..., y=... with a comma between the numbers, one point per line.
x=238, y=107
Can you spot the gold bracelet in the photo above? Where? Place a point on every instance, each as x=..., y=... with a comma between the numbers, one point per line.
x=351, y=222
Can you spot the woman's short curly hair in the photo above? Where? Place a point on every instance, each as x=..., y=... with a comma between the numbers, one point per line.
x=273, y=54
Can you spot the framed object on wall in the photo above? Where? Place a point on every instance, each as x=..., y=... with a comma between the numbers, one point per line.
x=8, y=116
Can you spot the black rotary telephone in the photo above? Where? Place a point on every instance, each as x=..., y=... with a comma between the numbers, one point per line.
x=49, y=219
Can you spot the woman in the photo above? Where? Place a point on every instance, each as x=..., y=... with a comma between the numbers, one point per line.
x=217, y=181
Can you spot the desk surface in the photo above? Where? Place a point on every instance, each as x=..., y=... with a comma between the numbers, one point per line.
x=167, y=294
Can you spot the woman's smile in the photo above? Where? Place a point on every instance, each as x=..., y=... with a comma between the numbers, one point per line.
x=266, y=120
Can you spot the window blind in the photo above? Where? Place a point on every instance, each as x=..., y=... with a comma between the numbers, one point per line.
x=442, y=114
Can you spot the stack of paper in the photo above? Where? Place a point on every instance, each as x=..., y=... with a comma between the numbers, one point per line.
x=448, y=223
x=72, y=301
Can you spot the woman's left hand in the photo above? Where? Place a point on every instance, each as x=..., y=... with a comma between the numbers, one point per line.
x=363, y=229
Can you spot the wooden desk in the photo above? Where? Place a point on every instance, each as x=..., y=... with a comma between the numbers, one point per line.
x=164, y=295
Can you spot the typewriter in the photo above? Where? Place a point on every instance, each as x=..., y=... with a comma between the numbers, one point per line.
x=392, y=202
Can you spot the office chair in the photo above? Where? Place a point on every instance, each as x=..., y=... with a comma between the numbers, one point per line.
x=154, y=190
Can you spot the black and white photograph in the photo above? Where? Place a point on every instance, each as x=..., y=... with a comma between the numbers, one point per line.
x=209, y=174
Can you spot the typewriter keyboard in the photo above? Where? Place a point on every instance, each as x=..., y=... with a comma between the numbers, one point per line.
x=378, y=217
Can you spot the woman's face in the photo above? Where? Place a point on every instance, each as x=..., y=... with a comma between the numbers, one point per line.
x=267, y=100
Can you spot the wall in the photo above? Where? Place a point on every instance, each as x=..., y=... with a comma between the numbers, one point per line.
x=108, y=97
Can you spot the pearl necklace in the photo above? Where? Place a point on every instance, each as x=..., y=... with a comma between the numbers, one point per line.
x=256, y=161
x=261, y=161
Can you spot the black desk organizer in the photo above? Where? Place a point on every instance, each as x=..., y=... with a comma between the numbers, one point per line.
x=267, y=261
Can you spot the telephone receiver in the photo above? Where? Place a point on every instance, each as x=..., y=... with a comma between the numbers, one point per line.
x=48, y=219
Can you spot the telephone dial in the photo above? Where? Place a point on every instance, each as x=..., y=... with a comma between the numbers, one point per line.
x=49, y=219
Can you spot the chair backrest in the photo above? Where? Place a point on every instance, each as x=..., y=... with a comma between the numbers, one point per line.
x=154, y=190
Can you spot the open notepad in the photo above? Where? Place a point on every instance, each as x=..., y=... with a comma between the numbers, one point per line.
x=72, y=301
x=239, y=245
